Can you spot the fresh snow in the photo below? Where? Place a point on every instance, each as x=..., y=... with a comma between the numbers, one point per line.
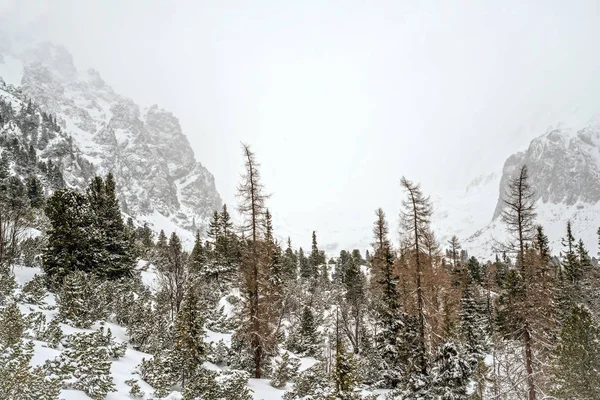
x=126, y=367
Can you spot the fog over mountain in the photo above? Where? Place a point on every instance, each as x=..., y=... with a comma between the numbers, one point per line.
x=338, y=104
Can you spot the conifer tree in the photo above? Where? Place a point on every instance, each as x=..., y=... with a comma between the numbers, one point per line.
x=304, y=265
x=257, y=329
x=451, y=374
x=386, y=299
x=172, y=271
x=289, y=264
x=577, y=358
x=12, y=325
x=316, y=258
x=214, y=227
x=285, y=370
x=162, y=240
x=19, y=381
x=354, y=307
x=415, y=217
x=69, y=237
x=189, y=335
x=117, y=255
x=85, y=365
x=518, y=215
x=198, y=258
x=306, y=340
x=344, y=371
x=570, y=264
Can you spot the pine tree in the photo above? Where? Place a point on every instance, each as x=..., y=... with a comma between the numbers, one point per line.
x=289, y=264
x=354, y=308
x=198, y=257
x=74, y=300
x=451, y=374
x=162, y=240
x=117, y=256
x=135, y=391
x=311, y=384
x=159, y=372
x=473, y=324
x=69, y=238
x=304, y=265
x=316, y=258
x=306, y=340
x=145, y=235
x=34, y=290
x=385, y=292
x=285, y=370
x=214, y=228
x=84, y=363
x=189, y=334
x=577, y=358
x=19, y=381
x=12, y=325
x=35, y=192
x=344, y=372
x=7, y=283
x=570, y=264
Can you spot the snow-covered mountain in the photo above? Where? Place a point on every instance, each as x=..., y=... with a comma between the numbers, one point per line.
x=158, y=177
x=564, y=167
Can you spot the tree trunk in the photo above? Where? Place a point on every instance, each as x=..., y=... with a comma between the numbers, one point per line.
x=529, y=363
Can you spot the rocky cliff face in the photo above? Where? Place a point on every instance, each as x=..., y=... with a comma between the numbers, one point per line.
x=152, y=160
x=564, y=170
x=564, y=167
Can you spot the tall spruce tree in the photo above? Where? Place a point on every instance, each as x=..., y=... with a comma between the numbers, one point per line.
x=117, y=256
x=70, y=235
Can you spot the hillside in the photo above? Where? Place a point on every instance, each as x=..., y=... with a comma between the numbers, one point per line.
x=157, y=174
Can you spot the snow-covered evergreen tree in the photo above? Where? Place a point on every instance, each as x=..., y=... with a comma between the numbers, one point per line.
x=285, y=369
x=85, y=365
x=577, y=358
x=19, y=381
x=12, y=325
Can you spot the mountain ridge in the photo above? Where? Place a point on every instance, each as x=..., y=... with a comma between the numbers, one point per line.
x=146, y=149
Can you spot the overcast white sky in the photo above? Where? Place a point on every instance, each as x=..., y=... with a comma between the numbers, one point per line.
x=340, y=98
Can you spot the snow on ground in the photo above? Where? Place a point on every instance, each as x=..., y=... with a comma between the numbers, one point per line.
x=585, y=220
x=264, y=391
x=159, y=222
x=125, y=367
x=306, y=363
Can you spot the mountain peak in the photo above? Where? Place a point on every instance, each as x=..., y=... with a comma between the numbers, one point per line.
x=147, y=150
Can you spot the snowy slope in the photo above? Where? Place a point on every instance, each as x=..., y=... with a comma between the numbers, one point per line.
x=126, y=367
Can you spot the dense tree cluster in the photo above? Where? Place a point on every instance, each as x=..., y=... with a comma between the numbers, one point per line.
x=422, y=321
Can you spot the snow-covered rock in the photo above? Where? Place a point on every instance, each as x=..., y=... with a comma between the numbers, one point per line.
x=564, y=170
x=147, y=151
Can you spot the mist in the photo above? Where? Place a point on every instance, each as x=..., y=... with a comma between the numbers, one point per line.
x=339, y=100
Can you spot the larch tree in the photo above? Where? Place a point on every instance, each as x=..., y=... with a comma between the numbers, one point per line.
x=415, y=216
x=519, y=217
x=256, y=329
